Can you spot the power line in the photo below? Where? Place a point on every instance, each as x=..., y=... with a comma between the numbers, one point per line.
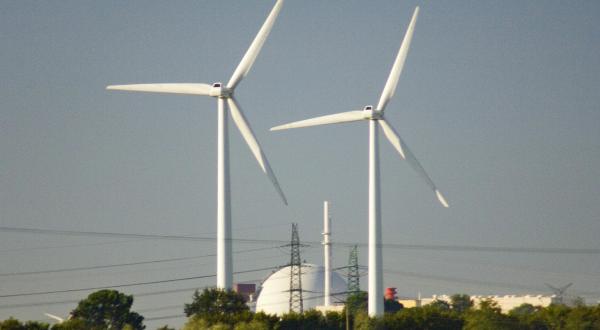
x=125, y=235
x=460, y=280
x=162, y=308
x=164, y=317
x=59, y=302
x=141, y=294
x=478, y=248
x=67, y=246
x=62, y=270
x=183, y=315
x=126, y=285
x=427, y=247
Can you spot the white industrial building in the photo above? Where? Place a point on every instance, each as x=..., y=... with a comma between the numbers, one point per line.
x=274, y=295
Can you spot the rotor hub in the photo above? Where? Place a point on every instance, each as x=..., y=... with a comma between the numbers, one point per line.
x=371, y=113
x=218, y=90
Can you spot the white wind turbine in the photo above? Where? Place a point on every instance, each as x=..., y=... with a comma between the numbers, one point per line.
x=375, y=117
x=226, y=104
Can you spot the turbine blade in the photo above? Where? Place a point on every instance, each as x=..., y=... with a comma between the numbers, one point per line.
x=242, y=69
x=337, y=118
x=393, y=137
x=192, y=89
x=566, y=287
x=59, y=319
x=242, y=124
x=406, y=154
x=390, y=85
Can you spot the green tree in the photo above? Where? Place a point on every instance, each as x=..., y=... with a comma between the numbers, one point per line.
x=582, y=317
x=74, y=324
x=391, y=306
x=105, y=309
x=270, y=320
x=252, y=325
x=312, y=319
x=14, y=324
x=218, y=306
x=362, y=321
x=11, y=324
x=552, y=317
x=357, y=302
x=461, y=302
x=489, y=317
x=165, y=327
x=441, y=305
x=215, y=301
x=290, y=321
x=523, y=310
x=526, y=315
x=196, y=323
x=334, y=320
x=426, y=317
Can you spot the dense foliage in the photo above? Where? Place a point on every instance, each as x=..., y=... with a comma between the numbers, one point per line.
x=214, y=309
x=214, y=306
x=101, y=310
x=13, y=324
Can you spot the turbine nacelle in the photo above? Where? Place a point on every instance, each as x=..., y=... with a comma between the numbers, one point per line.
x=218, y=90
x=372, y=114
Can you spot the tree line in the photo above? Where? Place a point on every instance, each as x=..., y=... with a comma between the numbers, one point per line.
x=215, y=309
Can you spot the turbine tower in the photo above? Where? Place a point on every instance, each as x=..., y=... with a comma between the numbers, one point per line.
x=375, y=116
x=227, y=104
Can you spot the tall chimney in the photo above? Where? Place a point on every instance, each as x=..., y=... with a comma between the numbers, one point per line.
x=327, y=253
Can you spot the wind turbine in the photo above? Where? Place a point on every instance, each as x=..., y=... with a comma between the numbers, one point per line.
x=375, y=118
x=226, y=104
x=559, y=292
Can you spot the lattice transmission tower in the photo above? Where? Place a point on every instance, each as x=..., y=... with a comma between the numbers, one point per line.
x=353, y=274
x=296, y=304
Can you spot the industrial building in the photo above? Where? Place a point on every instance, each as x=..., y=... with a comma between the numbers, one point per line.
x=506, y=303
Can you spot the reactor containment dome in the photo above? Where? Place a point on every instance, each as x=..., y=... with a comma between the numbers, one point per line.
x=274, y=296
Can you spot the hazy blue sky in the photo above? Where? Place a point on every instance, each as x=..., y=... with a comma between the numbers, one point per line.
x=499, y=101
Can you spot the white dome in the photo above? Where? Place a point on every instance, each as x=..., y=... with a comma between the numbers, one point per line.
x=274, y=297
